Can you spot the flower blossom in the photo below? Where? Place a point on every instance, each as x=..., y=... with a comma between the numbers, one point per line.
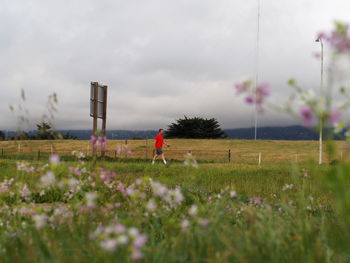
x=334, y=116
x=257, y=95
x=90, y=199
x=40, y=220
x=287, y=187
x=48, y=179
x=233, y=194
x=54, y=159
x=339, y=39
x=193, y=210
x=307, y=115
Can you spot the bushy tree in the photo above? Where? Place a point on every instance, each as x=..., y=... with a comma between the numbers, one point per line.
x=2, y=136
x=196, y=128
x=45, y=132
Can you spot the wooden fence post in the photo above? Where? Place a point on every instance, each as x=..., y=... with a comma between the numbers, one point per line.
x=259, y=162
x=229, y=155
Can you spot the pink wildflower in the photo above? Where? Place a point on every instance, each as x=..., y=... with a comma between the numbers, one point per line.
x=54, y=159
x=339, y=38
x=242, y=87
x=334, y=116
x=256, y=200
x=140, y=241
x=249, y=100
x=136, y=255
x=307, y=115
x=203, y=222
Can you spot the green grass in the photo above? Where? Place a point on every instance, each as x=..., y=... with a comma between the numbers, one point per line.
x=307, y=223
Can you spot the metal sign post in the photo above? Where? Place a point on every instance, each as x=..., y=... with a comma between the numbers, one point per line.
x=98, y=108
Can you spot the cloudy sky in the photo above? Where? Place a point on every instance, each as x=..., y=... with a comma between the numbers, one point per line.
x=161, y=59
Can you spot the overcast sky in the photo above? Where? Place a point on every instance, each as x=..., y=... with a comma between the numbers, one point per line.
x=161, y=59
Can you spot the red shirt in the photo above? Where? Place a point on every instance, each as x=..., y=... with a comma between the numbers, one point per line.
x=159, y=141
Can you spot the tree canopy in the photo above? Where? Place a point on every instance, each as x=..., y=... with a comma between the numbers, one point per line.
x=195, y=128
x=2, y=136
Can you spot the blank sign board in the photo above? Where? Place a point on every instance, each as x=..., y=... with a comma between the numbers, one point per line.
x=100, y=101
x=100, y=93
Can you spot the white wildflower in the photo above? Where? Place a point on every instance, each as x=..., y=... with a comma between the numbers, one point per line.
x=40, y=221
x=90, y=199
x=48, y=179
x=151, y=205
x=109, y=245
x=233, y=194
x=193, y=210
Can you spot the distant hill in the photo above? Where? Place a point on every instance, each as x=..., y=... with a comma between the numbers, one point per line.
x=274, y=133
x=264, y=133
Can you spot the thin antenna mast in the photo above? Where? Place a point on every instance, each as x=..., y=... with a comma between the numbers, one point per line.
x=257, y=74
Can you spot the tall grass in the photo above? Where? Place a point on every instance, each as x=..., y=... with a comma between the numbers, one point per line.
x=229, y=213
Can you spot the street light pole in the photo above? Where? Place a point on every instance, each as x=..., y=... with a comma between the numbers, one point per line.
x=320, y=161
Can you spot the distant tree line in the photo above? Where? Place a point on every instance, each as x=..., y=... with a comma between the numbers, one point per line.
x=44, y=132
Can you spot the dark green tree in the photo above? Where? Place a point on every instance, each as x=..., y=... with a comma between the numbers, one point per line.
x=45, y=132
x=2, y=136
x=195, y=128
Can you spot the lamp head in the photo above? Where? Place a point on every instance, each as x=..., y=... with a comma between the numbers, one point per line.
x=319, y=38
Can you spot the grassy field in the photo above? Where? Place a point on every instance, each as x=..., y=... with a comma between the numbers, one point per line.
x=126, y=211
x=242, y=151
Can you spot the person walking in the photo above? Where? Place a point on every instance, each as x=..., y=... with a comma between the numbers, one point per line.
x=159, y=146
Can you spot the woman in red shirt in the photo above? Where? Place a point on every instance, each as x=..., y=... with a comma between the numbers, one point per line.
x=159, y=146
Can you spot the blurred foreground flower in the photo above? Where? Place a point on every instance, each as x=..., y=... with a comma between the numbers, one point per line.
x=25, y=167
x=193, y=210
x=40, y=220
x=254, y=95
x=115, y=236
x=307, y=116
x=287, y=187
x=339, y=38
x=233, y=194
x=54, y=159
x=190, y=160
x=48, y=179
x=91, y=199
x=78, y=154
x=99, y=142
